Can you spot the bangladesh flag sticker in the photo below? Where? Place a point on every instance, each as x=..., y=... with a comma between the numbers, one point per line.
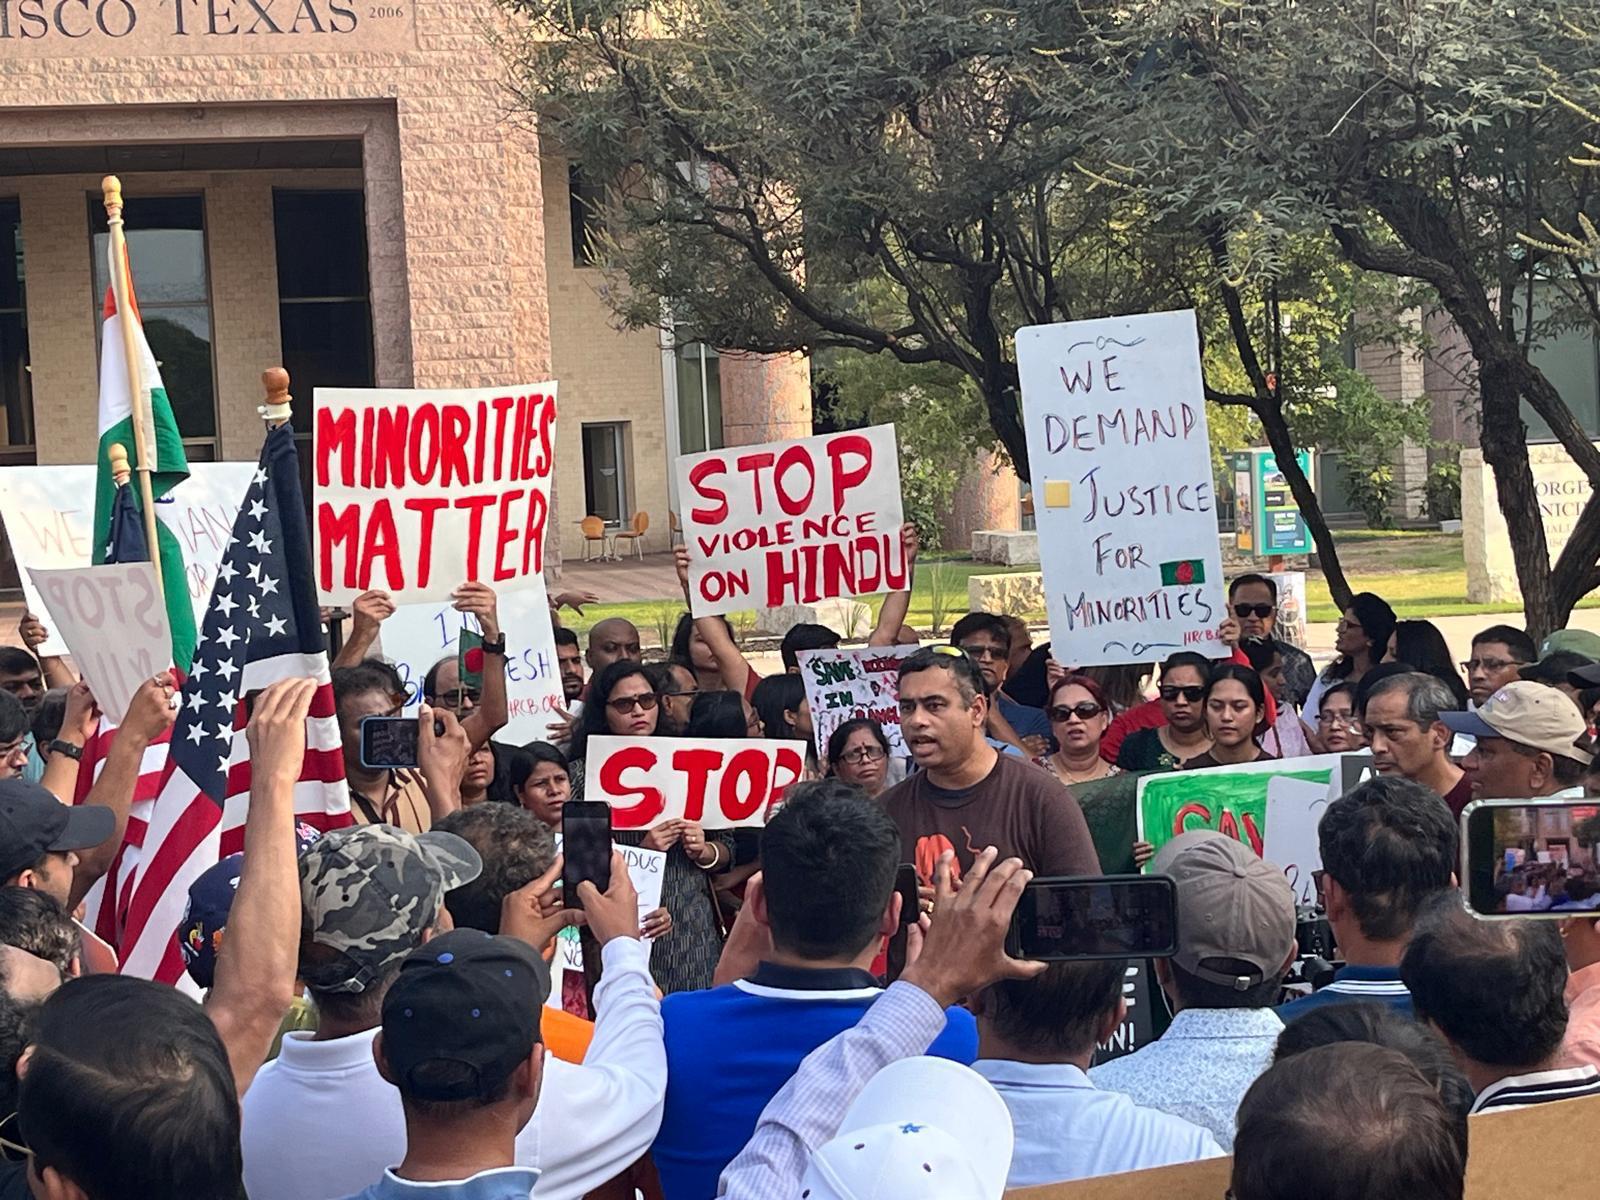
x=1184, y=571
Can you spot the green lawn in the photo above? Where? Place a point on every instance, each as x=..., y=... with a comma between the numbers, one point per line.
x=1421, y=573
x=940, y=591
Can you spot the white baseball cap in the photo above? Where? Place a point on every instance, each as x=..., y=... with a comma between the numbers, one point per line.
x=922, y=1129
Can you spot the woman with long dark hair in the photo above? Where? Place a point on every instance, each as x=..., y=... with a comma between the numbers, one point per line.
x=1362, y=641
x=1422, y=645
x=1183, y=736
x=1235, y=705
x=623, y=703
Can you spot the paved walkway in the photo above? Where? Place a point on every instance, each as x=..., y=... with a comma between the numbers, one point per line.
x=652, y=578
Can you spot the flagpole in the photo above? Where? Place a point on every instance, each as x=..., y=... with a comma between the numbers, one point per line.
x=278, y=408
x=111, y=191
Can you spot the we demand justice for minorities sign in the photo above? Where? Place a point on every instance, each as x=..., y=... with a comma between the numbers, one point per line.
x=420, y=491
x=1115, y=416
x=793, y=522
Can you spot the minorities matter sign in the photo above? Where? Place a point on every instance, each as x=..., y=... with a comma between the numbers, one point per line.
x=846, y=684
x=49, y=516
x=114, y=620
x=793, y=522
x=418, y=492
x=1115, y=416
x=1273, y=807
x=721, y=783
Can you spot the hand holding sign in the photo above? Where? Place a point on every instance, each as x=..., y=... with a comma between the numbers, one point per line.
x=32, y=632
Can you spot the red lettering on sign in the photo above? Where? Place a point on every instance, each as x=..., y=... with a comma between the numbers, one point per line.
x=336, y=529
x=424, y=462
x=1193, y=809
x=428, y=507
x=453, y=446
x=649, y=805
x=502, y=411
x=336, y=435
x=740, y=803
x=547, y=436
x=795, y=503
x=533, y=533
x=383, y=541
x=504, y=536
x=391, y=452
x=845, y=478
x=475, y=506
x=698, y=475
x=697, y=764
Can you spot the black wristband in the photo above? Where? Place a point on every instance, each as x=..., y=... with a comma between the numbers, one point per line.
x=60, y=747
x=495, y=646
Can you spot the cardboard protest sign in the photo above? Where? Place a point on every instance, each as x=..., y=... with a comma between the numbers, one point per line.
x=114, y=621
x=646, y=869
x=49, y=519
x=418, y=635
x=844, y=684
x=793, y=522
x=420, y=491
x=1114, y=411
x=722, y=783
x=1532, y=1145
x=1243, y=802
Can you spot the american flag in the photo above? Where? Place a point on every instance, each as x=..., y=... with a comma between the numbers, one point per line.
x=262, y=625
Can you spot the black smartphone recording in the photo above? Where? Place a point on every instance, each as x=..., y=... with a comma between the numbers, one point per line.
x=585, y=847
x=1096, y=917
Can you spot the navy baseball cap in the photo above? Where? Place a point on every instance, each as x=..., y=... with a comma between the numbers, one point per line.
x=34, y=823
x=463, y=1013
x=210, y=900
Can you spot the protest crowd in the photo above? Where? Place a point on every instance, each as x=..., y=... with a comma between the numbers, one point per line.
x=250, y=949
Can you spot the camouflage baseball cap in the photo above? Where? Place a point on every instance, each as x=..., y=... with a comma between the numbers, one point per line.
x=368, y=892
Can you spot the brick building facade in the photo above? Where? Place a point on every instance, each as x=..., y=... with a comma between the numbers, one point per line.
x=339, y=188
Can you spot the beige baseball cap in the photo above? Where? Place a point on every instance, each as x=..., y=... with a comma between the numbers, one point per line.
x=1231, y=905
x=1530, y=714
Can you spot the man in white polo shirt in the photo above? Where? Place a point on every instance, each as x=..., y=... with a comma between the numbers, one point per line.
x=1235, y=944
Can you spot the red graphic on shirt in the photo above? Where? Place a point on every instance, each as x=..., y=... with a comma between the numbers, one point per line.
x=927, y=855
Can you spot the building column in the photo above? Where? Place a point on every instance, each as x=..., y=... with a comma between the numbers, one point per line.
x=989, y=496
x=1398, y=372
x=765, y=397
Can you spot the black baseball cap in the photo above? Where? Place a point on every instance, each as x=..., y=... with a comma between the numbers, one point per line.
x=34, y=823
x=463, y=1013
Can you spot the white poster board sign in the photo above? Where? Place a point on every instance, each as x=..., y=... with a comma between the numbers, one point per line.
x=114, y=621
x=1116, y=423
x=49, y=518
x=646, y=870
x=420, y=491
x=1294, y=809
x=845, y=684
x=793, y=522
x=418, y=635
x=722, y=783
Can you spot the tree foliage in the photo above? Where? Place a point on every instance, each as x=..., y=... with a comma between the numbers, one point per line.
x=1289, y=168
x=1426, y=135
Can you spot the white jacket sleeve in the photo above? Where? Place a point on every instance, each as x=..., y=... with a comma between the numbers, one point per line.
x=596, y=1119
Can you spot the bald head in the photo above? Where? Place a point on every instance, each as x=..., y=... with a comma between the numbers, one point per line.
x=27, y=978
x=611, y=640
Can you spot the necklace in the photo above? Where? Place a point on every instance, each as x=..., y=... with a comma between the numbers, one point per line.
x=1101, y=771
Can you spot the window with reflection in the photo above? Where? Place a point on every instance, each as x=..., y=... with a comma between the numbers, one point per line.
x=699, y=399
x=167, y=253
x=16, y=386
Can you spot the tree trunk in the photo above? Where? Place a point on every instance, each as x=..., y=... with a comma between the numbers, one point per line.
x=1279, y=438
x=1504, y=439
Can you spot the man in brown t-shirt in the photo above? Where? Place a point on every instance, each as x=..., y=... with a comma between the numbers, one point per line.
x=967, y=795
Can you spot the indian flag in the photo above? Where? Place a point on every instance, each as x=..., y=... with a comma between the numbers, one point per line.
x=168, y=465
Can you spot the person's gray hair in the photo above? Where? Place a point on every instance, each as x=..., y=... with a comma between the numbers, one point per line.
x=1426, y=696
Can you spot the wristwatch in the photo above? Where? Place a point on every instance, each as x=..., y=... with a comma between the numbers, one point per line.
x=68, y=748
x=495, y=645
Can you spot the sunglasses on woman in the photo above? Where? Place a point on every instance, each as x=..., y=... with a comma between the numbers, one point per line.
x=1171, y=691
x=1262, y=611
x=1088, y=710
x=624, y=704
